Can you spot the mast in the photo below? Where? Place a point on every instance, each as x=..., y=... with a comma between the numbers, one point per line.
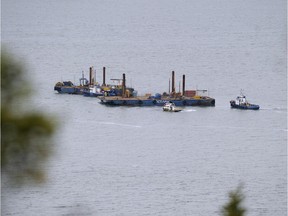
x=183, y=85
x=104, y=76
x=124, y=86
x=173, y=82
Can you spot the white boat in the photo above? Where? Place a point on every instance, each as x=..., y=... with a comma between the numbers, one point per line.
x=170, y=107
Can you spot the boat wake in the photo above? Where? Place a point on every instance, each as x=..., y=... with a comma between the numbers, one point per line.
x=118, y=124
x=189, y=110
x=279, y=109
x=238, y=128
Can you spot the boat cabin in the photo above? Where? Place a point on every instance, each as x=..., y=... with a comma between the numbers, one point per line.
x=240, y=100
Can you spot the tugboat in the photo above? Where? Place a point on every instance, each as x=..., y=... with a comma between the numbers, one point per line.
x=242, y=103
x=170, y=107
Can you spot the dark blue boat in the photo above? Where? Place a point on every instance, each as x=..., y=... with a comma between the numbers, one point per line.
x=242, y=103
x=67, y=87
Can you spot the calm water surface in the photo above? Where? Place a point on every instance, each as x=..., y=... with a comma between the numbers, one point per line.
x=142, y=161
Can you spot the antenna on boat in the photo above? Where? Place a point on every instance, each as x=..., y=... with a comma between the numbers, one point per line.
x=82, y=80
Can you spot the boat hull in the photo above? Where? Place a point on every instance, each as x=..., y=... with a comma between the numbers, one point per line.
x=90, y=94
x=174, y=110
x=119, y=101
x=70, y=90
x=246, y=107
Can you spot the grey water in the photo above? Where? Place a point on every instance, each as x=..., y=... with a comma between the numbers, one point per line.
x=142, y=161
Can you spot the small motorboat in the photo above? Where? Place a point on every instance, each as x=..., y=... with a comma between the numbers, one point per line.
x=242, y=103
x=170, y=107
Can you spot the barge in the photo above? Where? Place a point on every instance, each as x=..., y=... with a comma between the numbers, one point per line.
x=89, y=88
x=67, y=87
x=184, y=98
x=148, y=101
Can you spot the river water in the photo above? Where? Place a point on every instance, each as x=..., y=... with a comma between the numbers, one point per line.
x=142, y=161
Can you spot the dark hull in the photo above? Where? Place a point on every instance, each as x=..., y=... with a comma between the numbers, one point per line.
x=175, y=110
x=71, y=90
x=119, y=101
x=245, y=107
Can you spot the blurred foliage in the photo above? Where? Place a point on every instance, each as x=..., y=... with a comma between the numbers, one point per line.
x=233, y=207
x=26, y=138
